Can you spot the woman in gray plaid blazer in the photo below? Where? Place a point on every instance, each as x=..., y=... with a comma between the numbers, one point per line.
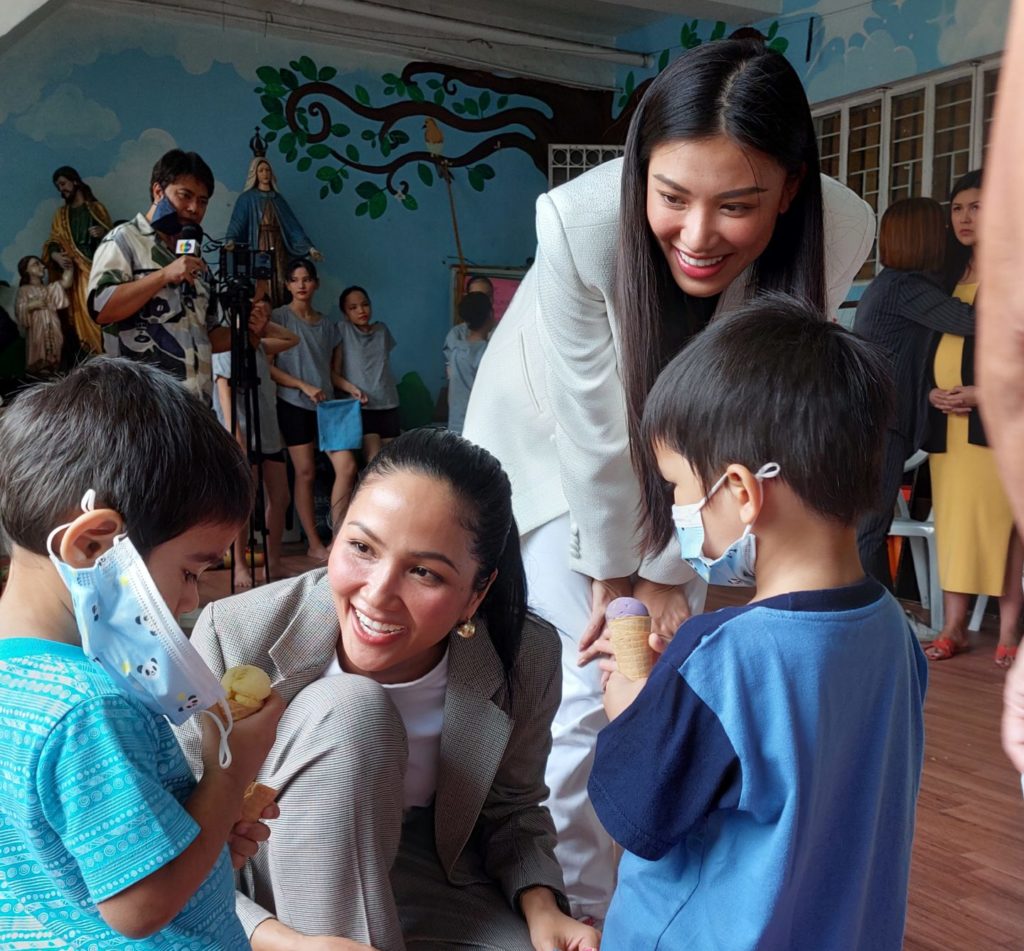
x=410, y=762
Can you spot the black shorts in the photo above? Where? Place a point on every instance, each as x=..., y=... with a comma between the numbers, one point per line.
x=297, y=425
x=257, y=457
x=382, y=422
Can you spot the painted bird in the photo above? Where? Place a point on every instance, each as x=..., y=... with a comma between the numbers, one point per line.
x=433, y=136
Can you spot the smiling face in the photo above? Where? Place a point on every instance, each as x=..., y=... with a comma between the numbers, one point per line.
x=175, y=565
x=358, y=310
x=712, y=207
x=964, y=215
x=402, y=575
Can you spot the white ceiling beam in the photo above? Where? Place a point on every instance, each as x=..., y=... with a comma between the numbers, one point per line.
x=731, y=11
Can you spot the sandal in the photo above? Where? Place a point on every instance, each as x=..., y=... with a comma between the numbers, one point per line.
x=1005, y=655
x=943, y=648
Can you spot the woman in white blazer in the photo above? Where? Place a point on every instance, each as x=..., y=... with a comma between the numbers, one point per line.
x=719, y=195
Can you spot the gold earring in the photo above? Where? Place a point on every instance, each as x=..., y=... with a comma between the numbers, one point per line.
x=466, y=629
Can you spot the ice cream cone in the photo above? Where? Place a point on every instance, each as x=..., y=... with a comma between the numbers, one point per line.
x=633, y=653
x=257, y=797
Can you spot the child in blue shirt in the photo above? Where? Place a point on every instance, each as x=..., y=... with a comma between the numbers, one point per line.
x=763, y=778
x=117, y=489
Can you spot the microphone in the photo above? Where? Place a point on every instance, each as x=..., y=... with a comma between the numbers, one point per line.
x=190, y=240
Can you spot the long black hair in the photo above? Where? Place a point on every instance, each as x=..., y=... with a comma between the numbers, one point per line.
x=957, y=255
x=478, y=482
x=740, y=89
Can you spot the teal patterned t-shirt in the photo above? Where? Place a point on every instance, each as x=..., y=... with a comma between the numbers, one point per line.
x=92, y=793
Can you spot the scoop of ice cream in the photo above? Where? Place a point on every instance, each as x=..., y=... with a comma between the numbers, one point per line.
x=246, y=686
x=625, y=607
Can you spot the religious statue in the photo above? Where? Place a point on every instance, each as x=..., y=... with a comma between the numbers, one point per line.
x=75, y=233
x=36, y=309
x=263, y=220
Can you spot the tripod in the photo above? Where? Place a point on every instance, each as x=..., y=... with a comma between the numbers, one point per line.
x=236, y=300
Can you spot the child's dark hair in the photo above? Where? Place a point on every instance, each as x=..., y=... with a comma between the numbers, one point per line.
x=178, y=163
x=477, y=480
x=151, y=451
x=476, y=310
x=295, y=263
x=773, y=382
x=480, y=279
x=350, y=290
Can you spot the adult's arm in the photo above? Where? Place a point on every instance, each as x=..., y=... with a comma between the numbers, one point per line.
x=517, y=835
x=925, y=303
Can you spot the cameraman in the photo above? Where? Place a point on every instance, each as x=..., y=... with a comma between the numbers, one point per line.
x=154, y=306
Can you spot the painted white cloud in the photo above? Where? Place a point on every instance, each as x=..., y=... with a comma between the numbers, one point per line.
x=976, y=28
x=124, y=191
x=859, y=68
x=68, y=118
x=75, y=36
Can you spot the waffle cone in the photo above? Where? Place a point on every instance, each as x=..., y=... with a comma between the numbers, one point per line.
x=257, y=797
x=633, y=653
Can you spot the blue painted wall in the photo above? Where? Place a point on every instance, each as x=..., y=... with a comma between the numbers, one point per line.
x=857, y=46
x=109, y=95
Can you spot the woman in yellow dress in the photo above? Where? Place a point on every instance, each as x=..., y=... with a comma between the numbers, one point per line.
x=979, y=552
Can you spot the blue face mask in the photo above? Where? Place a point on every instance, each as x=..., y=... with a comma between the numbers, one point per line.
x=127, y=628
x=165, y=217
x=735, y=566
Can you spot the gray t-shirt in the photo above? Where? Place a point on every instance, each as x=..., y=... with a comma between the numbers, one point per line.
x=366, y=363
x=270, y=434
x=310, y=360
x=464, y=358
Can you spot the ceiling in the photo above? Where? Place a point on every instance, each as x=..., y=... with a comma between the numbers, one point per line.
x=576, y=42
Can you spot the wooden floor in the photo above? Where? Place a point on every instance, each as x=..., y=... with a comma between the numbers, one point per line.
x=967, y=879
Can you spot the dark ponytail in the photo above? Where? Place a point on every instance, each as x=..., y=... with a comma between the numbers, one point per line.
x=477, y=480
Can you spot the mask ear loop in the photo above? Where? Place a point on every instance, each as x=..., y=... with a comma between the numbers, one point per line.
x=88, y=504
x=223, y=749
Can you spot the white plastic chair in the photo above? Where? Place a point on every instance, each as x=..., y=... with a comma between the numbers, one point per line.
x=923, y=550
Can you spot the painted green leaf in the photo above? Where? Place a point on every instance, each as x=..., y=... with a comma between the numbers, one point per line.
x=458, y=108
x=502, y=101
x=484, y=100
x=307, y=67
x=378, y=204
x=271, y=103
x=324, y=191
x=476, y=179
x=630, y=84
x=471, y=107
x=719, y=31
x=304, y=163
x=366, y=190
x=415, y=93
x=292, y=155
x=486, y=172
x=270, y=136
x=274, y=121
x=268, y=74
x=362, y=95
x=352, y=152
x=337, y=184
x=294, y=64
x=302, y=119
x=301, y=138
x=780, y=44
x=318, y=151
x=289, y=79
x=342, y=171
x=385, y=147
x=426, y=175
x=391, y=79
x=773, y=29
x=325, y=173
x=366, y=135
x=400, y=88
x=439, y=97
x=274, y=89
x=433, y=84
x=287, y=143
x=389, y=90
x=663, y=60
x=410, y=203
x=398, y=137
x=362, y=208
x=326, y=73
x=340, y=129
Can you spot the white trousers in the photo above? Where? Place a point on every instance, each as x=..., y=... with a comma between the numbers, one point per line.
x=587, y=854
